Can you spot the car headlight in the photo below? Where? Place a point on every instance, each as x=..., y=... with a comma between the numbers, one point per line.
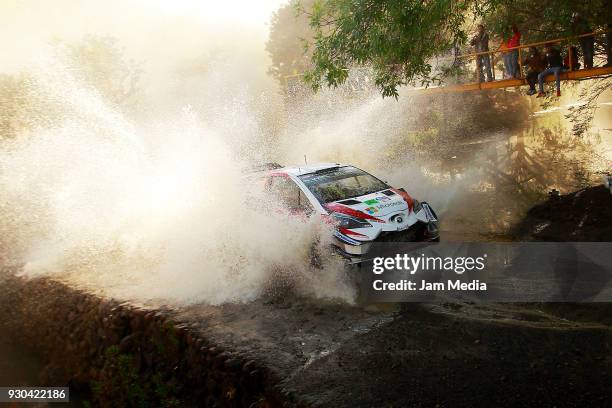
x=416, y=206
x=346, y=221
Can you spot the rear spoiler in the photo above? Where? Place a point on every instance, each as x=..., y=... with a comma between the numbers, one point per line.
x=328, y=169
x=263, y=167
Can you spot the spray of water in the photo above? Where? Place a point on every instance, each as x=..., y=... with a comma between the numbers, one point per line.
x=160, y=209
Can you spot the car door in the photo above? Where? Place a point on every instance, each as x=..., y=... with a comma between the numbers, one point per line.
x=289, y=195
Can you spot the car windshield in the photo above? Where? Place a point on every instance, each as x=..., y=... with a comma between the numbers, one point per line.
x=340, y=183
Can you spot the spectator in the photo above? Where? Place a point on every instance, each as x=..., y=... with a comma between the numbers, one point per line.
x=581, y=26
x=511, y=56
x=570, y=62
x=554, y=65
x=481, y=44
x=536, y=63
x=609, y=45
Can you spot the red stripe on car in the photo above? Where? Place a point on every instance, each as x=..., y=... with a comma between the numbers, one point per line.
x=349, y=232
x=339, y=208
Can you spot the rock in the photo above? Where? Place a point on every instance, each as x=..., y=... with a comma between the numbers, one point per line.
x=249, y=366
x=233, y=363
x=220, y=359
x=128, y=343
x=137, y=322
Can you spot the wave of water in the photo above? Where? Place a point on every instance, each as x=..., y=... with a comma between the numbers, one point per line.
x=158, y=209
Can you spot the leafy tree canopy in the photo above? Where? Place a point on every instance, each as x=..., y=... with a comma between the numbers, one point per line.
x=289, y=31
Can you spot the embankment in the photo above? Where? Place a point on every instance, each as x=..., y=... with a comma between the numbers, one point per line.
x=299, y=352
x=580, y=216
x=120, y=355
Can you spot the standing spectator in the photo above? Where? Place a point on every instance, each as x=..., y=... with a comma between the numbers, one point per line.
x=581, y=26
x=481, y=44
x=570, y=62
x=536, y=63
x=609, y=45
x=554, y=65
x=511, y=57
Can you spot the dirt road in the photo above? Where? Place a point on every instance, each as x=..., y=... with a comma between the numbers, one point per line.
x=427, y=355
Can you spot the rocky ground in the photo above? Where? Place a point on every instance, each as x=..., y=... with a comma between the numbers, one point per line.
x=447, y=355
x=584, y=215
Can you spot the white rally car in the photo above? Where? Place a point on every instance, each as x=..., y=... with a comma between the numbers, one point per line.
x=363, y=208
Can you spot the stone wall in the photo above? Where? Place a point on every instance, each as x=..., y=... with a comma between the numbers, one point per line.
x=120, y=355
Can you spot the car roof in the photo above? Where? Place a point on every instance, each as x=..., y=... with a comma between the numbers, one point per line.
x=306, y=169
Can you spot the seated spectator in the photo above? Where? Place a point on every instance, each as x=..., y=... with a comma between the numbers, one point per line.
x=554, y=65
x=536, y=64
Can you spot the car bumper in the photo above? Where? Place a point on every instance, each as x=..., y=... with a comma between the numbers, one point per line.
x=358, y=251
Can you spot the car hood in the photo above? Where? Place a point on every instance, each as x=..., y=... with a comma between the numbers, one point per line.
x=379, y=205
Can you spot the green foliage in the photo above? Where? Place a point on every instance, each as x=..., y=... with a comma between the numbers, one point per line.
x=545, y=19
x=396, y=38
x=127, y=386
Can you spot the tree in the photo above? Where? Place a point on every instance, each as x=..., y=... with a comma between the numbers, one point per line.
x=289, y=31
x=545, y=19
x=396, y=38
x=100, y=62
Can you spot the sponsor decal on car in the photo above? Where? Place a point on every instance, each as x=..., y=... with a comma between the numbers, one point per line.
x=380, y=207
x=371, y=210
x=371, y=202
x=382, y=199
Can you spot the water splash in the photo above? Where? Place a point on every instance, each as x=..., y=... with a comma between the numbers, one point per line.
x=149, y=210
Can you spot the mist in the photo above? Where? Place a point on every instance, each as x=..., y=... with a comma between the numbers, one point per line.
x=150, y=203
